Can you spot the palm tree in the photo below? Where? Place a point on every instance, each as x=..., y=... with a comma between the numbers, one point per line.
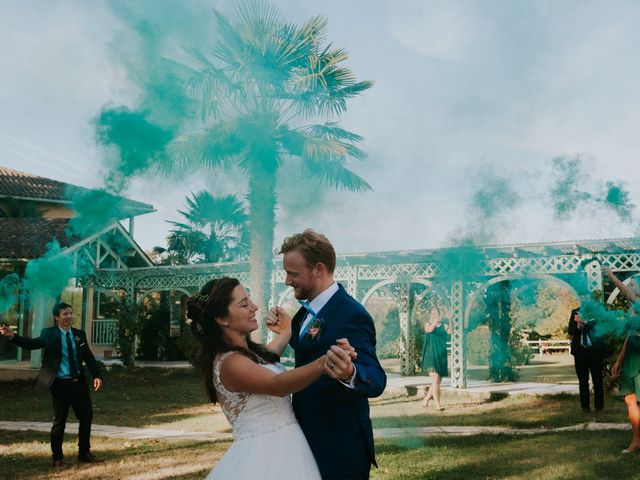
x=269, y=93
x=216, y=229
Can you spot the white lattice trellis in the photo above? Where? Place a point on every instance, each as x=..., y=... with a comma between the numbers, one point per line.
x=360, y=273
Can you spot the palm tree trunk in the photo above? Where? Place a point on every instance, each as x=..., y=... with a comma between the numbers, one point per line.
x=262, y=218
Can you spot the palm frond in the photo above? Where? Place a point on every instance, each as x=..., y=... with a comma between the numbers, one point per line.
x=325, y=85
x=231, y=48
x=214, y=147
x=203, y=208
x=334, y=174
x=209, y=85
x=262, y=50
x=334, y=131
x=322, y=141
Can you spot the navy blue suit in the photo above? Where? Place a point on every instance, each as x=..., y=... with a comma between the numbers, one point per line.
x=334, y=418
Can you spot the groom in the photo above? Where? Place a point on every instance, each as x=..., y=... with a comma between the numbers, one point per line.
x=334, y=411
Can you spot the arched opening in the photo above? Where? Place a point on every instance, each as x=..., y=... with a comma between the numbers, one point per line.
x=162, y=331
x=399, y=308
x=506, y=319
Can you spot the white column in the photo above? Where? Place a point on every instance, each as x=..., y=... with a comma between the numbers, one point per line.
x=458, y=347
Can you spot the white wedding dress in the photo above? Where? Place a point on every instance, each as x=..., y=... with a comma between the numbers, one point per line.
x=267, y=440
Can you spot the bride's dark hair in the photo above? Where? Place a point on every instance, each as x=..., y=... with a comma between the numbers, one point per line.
x=202, y=309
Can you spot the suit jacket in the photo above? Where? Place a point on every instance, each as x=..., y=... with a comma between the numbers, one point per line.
x=334, y=418
x=49, y=339
x=591, y=329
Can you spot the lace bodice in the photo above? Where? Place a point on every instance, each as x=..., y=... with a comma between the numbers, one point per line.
x=252, y=414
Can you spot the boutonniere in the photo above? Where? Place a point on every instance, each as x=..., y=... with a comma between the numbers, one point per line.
x=315, y=329
x=77, y=339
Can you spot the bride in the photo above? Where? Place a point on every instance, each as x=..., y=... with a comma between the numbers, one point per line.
x=251, y=386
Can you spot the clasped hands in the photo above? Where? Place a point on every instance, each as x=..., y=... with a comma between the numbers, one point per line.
x=339, y=358
x=338, y=362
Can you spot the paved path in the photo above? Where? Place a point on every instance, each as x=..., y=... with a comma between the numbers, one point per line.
x=147, y=433
x=120, y=432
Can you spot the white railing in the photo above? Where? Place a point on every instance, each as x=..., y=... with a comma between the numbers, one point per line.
x=104, y=332
x=545, y=346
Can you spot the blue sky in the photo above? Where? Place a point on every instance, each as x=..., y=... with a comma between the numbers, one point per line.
x=461, y=88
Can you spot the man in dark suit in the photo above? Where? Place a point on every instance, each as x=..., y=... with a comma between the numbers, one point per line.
x=334, y=411
x=588, y=356
x=65, y=348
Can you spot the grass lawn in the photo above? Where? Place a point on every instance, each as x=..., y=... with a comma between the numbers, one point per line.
x=175, y=399
x=517, y=412
x=26, y=455
x=142, y=397
x=579, y=456
x=566, y=456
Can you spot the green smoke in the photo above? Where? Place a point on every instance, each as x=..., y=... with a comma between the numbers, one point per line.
x=567, y=193
x=137, y=141
x=572, y=189
x=154, y=32
x=49, y=275
x=95, y=209
x=495, y=196
x=492, y=201
x=608, y=322
x=617, y=199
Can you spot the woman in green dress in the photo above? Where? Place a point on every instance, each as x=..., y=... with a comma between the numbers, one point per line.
x=627, y=365
x=434, y=354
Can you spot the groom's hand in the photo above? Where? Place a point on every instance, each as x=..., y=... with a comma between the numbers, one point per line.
x=338, y=364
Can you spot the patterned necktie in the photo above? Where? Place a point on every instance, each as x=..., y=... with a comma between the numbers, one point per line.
x=73, y=369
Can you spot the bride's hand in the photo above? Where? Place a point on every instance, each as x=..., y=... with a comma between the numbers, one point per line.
x=278, y=321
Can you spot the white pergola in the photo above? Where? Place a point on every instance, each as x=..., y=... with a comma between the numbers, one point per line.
x=459, y=281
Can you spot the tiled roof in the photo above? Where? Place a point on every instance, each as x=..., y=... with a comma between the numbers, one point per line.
x=28, y=237
x=14, y=183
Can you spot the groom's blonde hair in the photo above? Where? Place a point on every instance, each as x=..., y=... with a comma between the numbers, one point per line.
x=313, y=246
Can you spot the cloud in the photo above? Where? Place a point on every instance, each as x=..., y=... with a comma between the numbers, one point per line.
x=438, y=29
x=459, y=84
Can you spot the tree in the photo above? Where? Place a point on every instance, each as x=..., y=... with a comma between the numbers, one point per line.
x=215, y=229
x=269, y=93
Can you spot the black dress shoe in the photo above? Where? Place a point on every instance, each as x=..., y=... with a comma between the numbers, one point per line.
x=60, y=464
x=89, y=458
